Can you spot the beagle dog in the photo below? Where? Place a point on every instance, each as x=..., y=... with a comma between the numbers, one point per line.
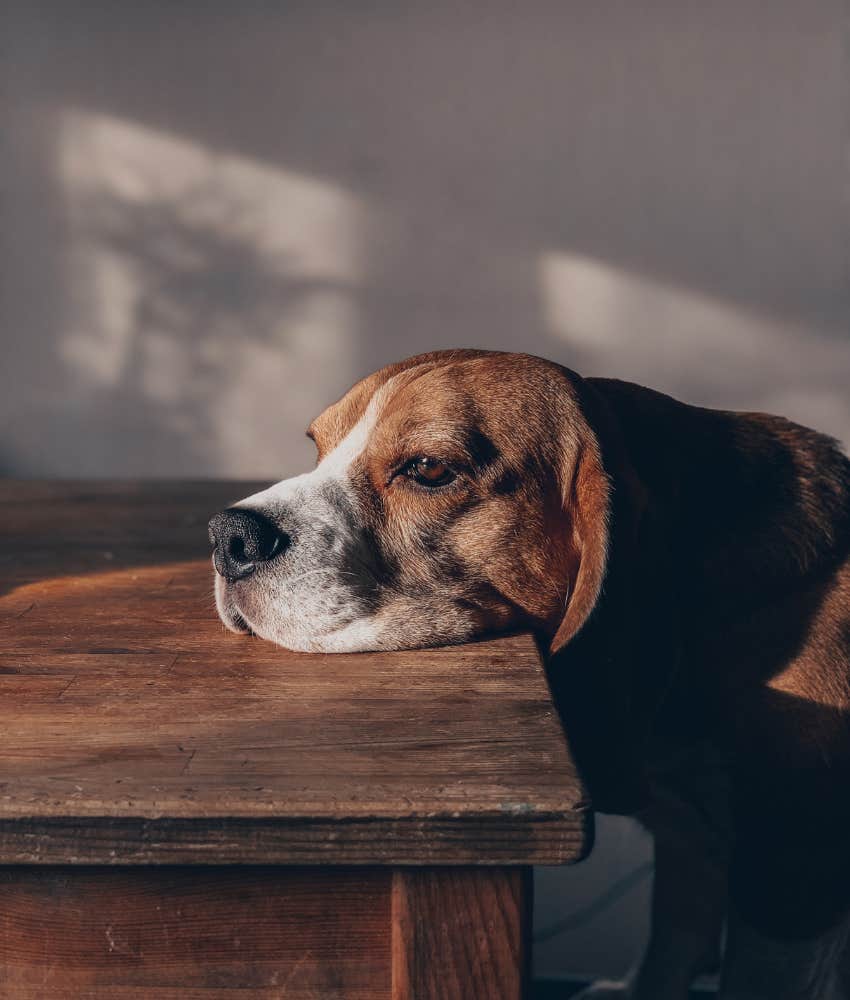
x=688, y=571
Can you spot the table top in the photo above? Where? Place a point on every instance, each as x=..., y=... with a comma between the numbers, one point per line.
x=135, y=729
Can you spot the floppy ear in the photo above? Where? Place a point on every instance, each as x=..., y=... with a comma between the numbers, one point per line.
x=599, y=675
x=587, y=504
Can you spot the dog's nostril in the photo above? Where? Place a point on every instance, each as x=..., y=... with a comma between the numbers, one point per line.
x=236, y=547
x=242, y=539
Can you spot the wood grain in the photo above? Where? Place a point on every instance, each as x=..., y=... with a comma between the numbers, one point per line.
x=175, y=933
x=460, y=934
x=134, y=729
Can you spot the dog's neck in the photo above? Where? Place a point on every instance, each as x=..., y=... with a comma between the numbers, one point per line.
x=752, y=505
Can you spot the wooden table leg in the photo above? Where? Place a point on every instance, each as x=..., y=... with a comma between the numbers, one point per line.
x=461, y=933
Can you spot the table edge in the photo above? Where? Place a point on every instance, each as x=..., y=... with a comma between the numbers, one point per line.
x=551, y=839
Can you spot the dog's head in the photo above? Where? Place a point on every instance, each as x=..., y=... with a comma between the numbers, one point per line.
x=455, y=493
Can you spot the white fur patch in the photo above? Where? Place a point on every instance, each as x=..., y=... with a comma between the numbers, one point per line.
x=313, y=599
x=333, y=467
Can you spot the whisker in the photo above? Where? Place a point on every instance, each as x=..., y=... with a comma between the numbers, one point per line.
x=313, y=572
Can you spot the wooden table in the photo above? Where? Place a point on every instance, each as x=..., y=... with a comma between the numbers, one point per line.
x=185, y=813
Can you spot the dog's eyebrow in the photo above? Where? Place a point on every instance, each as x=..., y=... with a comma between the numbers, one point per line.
x=481, y=448
x=468, y=446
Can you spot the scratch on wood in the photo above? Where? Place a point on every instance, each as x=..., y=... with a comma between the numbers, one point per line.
x=188, y=761
x=64, y=689
x=293, y=972
x=116, y=944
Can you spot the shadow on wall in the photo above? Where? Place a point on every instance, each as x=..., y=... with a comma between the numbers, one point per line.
x=214, y=287
x=219, y=222
x=201, y=290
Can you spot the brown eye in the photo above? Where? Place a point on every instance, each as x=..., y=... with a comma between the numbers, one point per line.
x=429, y=471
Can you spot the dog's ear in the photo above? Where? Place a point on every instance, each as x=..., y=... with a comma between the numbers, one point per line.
x=597, y=670
x=586, y=493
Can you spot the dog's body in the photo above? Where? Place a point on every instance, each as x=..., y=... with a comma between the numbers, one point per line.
x=690, y=570
x=735, y=594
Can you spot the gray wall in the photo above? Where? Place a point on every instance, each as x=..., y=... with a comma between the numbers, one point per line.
x=218, y=216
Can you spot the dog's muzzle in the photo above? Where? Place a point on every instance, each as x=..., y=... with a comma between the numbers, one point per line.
x=242, y=539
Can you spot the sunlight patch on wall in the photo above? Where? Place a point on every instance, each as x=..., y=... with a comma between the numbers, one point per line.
x=212, y=297
x=631, y=326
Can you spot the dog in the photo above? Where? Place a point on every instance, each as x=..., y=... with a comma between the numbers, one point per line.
x=688, y=571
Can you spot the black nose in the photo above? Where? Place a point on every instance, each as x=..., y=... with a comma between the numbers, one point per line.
x=242, y=539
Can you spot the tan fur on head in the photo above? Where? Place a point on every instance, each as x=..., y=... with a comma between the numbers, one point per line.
x=517, y=539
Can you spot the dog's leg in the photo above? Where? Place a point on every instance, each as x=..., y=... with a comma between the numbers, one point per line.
x=761, y=968
x=689, y=819
x=688, y=906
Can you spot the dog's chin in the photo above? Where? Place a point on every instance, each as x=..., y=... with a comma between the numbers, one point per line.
x=296, y=634
x=359, y=636
x=306, y=630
